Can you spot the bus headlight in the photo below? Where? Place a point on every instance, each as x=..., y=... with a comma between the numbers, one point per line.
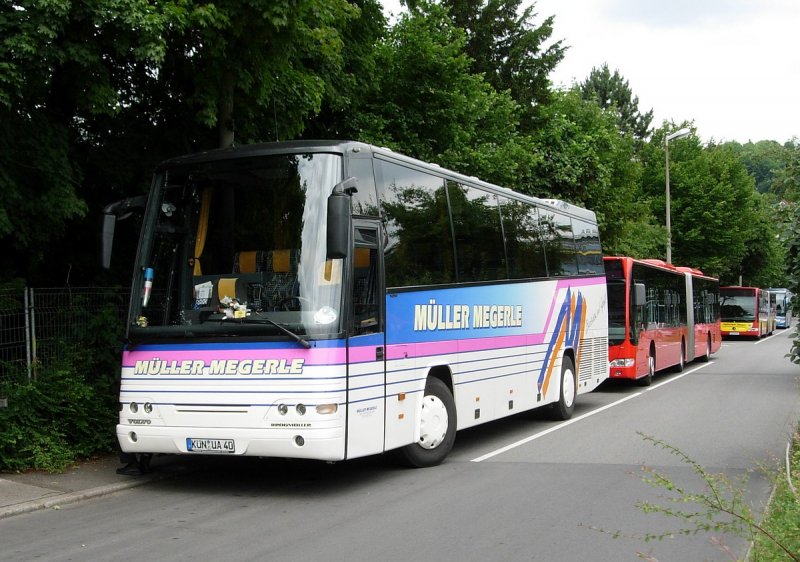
x=327, y=409
x=283, y=409
x=134, y=407
x=623, y=363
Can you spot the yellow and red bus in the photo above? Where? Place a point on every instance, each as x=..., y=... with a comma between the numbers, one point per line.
x=747, y=312
x=660, y=316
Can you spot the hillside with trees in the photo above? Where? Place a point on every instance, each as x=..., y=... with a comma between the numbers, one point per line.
x=93, y=95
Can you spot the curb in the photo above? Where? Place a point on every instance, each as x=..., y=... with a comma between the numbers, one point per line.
x=72, y=497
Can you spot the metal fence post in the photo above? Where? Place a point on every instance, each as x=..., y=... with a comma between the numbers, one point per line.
x=34, y=359
x=27, y=334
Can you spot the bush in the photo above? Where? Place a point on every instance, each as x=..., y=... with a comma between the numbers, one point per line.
x=56, y=419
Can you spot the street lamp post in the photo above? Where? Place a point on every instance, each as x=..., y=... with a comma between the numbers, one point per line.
x=679, y=134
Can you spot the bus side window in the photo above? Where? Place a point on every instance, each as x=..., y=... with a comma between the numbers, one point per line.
x=366, y=311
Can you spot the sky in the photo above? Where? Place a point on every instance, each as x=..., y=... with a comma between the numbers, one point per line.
x=732, y=67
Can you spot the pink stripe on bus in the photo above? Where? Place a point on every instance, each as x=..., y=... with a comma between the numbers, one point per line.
x=319, y=356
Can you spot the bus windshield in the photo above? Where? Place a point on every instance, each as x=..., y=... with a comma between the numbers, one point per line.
x=616, y=311
x=738, y=308
x=238, y=247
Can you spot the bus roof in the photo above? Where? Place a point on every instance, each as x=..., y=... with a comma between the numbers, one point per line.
x=658, y=263
x=353, y=147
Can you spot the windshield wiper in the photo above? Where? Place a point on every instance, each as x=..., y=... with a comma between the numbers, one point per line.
x=281, y=327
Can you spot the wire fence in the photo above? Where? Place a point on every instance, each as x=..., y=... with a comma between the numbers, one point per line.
x=41, y=326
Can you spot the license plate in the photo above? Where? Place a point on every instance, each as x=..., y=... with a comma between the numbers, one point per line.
x=734, y=333
x=200, y=445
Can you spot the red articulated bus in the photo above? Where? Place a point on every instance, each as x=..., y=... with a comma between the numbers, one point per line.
x=659, y=316
x=747, y=311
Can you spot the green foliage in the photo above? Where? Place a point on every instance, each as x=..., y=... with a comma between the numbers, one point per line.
x=94, y=94
x=764, y=161
x=54, y=420
x=426, y=103
x=509, y=50
x=37, y=187
x=783, y=515
x=611, y=91
x=585, y=160
x=261, y=65
x=786, y=183
x=718, y=507
x=720, y=223
x=791, y=234
x=69, y=409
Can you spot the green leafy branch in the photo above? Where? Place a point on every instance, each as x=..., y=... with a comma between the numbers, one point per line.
x=722, y=505
x=719, y=508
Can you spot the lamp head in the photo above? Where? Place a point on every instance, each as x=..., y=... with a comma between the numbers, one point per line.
x=679, y=134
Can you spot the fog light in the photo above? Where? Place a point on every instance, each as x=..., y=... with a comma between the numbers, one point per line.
x=327, y=408
x=134, y=407
x=148, y=407
x=283, y=409
x=301, y=409
x=133, y=436
x=299, y=441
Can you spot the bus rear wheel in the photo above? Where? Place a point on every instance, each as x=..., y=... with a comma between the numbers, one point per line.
x=437, y=427
x=682, y=363
x=562, y=410
x=705, y=358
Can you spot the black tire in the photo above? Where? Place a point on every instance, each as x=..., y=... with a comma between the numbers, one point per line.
x=682, y=363
x=568, y=391
x=437, y=427
x=707, y=357
x=647, y=380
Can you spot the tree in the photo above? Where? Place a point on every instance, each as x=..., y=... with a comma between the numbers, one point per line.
x=720, y=223
x=612, y=91
x=585, y=160
x=509, y=50
x=110, y=87
x=350, y=88
x=786, y=179
x=428, y=104
x=763, y=159
x=63, y=65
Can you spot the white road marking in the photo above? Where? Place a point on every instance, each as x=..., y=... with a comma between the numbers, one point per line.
x=582, y=417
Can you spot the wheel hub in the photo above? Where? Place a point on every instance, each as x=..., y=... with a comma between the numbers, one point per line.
x=433, y=422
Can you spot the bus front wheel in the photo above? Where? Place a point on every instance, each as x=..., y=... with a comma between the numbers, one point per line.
x=437, y=427
x=562, y=410
x=647, y=380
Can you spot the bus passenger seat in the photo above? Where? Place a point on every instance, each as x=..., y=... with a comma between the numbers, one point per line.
x=226, y=287
x=282, y=277
x=251, y=261
x=248, y=263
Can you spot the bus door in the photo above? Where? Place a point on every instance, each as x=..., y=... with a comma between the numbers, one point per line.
x=691, y=351
x=366, y=345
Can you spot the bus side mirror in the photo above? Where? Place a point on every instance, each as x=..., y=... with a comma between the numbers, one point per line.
x=107, y=226
x=639, y=294
x=339, y=206
x=119, y=210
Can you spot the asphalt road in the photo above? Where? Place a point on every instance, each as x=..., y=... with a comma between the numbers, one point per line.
x=523, y=488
